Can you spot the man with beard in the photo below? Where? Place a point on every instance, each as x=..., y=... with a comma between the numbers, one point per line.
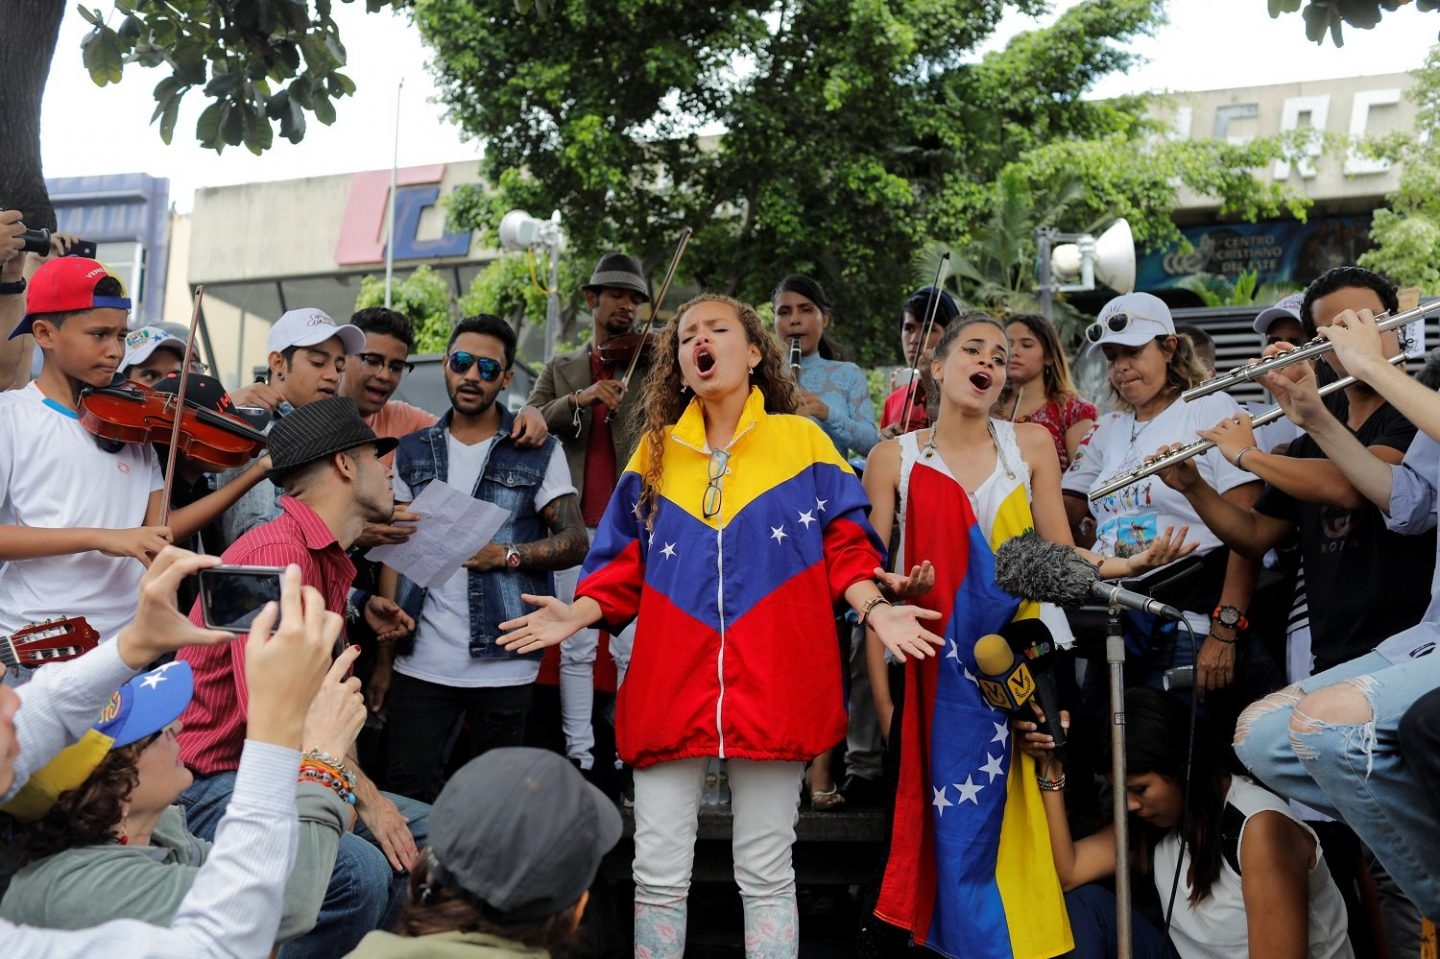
x=327, y=463
x=592, y=412
x=453, y=665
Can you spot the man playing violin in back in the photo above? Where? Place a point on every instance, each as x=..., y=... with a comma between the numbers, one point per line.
x=81, y=521
x=590, y=410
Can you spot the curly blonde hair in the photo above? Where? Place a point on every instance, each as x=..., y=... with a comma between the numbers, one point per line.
x=666, y=395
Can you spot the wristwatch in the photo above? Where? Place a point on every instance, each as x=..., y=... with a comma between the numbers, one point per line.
x=512, y=557
x=1230, y=617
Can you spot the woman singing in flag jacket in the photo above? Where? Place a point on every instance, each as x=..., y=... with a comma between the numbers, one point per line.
x=732, y=534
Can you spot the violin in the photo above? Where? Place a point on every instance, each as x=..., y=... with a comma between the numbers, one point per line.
x=621, y=350
x=135, y=413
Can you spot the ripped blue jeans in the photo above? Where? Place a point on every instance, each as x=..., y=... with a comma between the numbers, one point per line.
x=1332, y=742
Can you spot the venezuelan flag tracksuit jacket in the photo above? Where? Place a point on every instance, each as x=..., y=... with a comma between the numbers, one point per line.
x=735, y=652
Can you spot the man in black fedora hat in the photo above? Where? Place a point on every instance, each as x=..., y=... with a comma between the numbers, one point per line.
x=591, y=412
x=327, y=462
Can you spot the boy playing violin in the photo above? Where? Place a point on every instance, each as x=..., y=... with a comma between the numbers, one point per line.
x=80, y=522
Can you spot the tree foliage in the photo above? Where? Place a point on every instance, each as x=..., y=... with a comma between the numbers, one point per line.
x=1407, y=234
x=1329, y=17
x=264, y=64
x=827, y=136
x=424, y=296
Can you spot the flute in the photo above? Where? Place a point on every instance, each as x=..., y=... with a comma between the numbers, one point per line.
x=1316, y=347
x=795, y=357
x=1121, y=480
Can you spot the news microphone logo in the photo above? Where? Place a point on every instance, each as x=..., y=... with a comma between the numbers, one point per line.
x=1005, y=682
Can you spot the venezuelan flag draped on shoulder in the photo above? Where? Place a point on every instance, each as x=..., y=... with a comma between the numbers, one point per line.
x=970, y=871
x=735, y=651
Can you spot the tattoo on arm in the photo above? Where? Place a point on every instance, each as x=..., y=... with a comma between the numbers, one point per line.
x=567, y=543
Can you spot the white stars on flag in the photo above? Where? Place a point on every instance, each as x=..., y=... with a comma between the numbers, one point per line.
x=992, y=766
x=820, y=504
x=1002, y=734
x=955, y=654
x=777, y=533
x=969, y=790
x=940, y=802
x=806, y=518
x=669, y=551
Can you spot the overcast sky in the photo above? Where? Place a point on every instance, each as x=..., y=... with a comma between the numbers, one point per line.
x=88, y=130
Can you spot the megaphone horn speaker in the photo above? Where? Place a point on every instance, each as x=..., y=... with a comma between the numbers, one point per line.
x=519, y=230
x=1115, y=257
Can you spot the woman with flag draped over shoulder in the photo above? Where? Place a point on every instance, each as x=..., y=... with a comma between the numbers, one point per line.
x=732, y=534
x=970, y=870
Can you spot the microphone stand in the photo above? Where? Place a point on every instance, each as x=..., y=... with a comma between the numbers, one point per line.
x=1115, y=657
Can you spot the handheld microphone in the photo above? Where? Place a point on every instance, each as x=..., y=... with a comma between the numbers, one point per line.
x=1031, y=640
x=1031, y=568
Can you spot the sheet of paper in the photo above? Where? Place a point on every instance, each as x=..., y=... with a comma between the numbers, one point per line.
x=452, y=528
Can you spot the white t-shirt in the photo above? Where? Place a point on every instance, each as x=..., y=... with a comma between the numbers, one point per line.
x=1216, y=927
x=442, y=635
x=1128, y=520
x=54, y=475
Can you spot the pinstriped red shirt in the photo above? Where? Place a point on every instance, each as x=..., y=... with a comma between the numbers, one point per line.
x=214, y=721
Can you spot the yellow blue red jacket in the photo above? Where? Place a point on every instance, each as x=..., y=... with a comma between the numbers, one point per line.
x=735, y=652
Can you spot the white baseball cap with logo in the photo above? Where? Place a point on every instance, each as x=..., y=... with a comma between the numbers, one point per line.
x=141, y=344
x=309, y=326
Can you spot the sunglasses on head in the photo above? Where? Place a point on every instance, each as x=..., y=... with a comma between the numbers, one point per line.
x=1116, y=323
x=460, y=363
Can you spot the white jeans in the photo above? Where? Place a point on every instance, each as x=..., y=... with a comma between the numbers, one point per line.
x=764, y=802
x=577, y=673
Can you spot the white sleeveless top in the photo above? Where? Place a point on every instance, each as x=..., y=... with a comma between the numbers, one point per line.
x=1010, y=471
x=1216, y=928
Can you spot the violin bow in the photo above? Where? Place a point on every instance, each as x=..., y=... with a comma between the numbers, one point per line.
x=185, y=361
x=685, y=235
x=925, y=331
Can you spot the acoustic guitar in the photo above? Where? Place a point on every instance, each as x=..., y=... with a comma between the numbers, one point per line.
x=52, y=641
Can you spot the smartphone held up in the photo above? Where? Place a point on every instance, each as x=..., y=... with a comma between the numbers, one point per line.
x=232, y=596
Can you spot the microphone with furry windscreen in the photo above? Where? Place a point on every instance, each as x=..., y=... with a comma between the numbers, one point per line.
x=1031, y=568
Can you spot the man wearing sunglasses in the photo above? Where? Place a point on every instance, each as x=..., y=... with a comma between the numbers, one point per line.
x=453, y=665
x=587, y=408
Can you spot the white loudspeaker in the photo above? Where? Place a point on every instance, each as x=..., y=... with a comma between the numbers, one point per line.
x=519, y=230
x=1115, y=257
x=1112, y=256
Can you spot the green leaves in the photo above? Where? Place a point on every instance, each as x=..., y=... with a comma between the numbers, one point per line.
x=1329, y=17
x=258, y=62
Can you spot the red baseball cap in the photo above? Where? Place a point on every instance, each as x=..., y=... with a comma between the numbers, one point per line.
x=67, y=285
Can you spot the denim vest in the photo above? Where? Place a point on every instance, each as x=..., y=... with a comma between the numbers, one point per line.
x=509, y=479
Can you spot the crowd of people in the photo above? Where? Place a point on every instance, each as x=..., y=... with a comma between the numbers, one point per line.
x=713, y=558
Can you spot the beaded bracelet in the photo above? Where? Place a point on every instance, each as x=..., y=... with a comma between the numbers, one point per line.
x=324, y=757
x=341, y=785
x=340, y=773
x=1051, y=785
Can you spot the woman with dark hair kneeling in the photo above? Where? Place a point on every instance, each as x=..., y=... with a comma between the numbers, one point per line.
x=1252, y=878
x=516, y=839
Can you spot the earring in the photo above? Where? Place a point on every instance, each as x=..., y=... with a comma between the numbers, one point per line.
x=684, y=389
x=124, y=836
x=752, y=371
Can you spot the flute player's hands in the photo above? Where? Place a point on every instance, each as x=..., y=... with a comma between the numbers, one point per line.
x=1183, y=477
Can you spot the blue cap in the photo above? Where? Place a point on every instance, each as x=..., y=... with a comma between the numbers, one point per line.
x=147, y=704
